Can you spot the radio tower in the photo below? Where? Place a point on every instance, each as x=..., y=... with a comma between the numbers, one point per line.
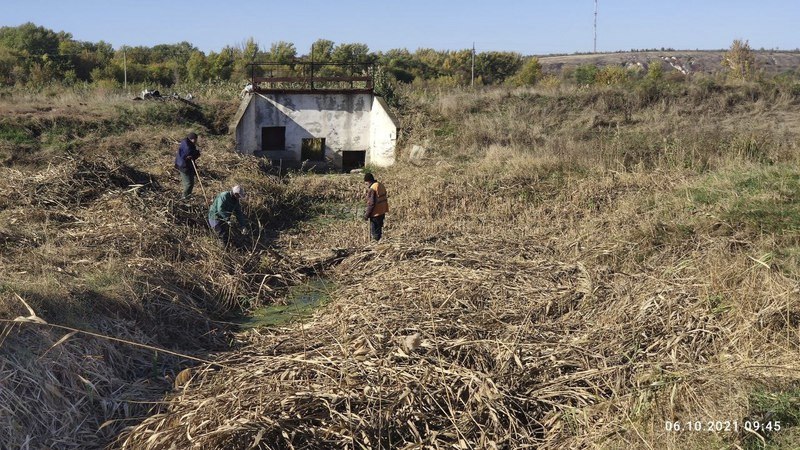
x=595, y=26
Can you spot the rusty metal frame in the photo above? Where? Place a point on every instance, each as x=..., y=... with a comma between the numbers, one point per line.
x=308, y=82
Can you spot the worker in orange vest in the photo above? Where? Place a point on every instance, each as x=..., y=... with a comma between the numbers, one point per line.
x=377, y=206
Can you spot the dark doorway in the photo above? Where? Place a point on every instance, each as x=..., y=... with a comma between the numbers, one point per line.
x=313, y=149
x=273, y=138
x=353, y=159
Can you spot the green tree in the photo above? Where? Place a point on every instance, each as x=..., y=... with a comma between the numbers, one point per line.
x=429, y=62
x=160, y=73
x=221, y=64
x=36, y=50
x=31, y=40
x=400, y=64
x=246, y=53
x=84, y=57
x=351, y=53
x=282, y=52
x=136, y=55
x=322, y=50
x=7, y=65
x=496, y=67
x=458, y=64
x=180, y=52
x=198, y=68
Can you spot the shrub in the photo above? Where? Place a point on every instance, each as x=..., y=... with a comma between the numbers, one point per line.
x=529, y=74
x=586, y=74
x=612, y=75
x=655, y=71
x=740, y=60
x=551, y=82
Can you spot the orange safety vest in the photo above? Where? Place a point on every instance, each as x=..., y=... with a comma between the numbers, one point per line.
x=381, y=204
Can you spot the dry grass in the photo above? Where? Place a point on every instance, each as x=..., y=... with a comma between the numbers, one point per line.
x=93, y=239
x=551, y=335
x=567, y=270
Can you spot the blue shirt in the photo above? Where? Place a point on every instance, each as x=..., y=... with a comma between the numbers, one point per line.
x=187, y=149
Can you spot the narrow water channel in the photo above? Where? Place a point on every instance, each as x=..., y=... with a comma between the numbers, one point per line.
x=301, y=301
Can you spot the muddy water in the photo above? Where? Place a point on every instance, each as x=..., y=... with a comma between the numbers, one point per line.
x=301, y=301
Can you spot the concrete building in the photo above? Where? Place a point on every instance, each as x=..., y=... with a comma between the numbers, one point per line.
x=313, y=126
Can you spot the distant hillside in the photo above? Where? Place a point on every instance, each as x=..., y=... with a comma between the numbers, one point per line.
x=685, y=61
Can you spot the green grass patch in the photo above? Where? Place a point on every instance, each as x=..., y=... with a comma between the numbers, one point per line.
x=444, y=130
x=765, y=201
x=329, y=213
x=718, y=305
x=15, y=135
x=776, y=414
x=103, y=281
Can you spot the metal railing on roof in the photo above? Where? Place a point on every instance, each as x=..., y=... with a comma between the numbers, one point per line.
x=312, y=77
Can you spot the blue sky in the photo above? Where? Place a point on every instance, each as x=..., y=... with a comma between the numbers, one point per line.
x=525, y=26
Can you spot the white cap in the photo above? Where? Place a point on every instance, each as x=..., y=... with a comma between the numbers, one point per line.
x=238, y=190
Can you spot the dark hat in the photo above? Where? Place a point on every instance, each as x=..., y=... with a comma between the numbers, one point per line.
x=368, y=177
x=191, y=136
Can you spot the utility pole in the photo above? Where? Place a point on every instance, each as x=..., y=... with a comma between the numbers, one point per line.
x=312, y=66
x=472, y=79
x=595, y=26
x=125, y=70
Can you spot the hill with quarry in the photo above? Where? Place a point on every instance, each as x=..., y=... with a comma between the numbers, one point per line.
x=680, y=61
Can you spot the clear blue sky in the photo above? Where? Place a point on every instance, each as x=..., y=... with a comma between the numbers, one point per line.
x=525, y=26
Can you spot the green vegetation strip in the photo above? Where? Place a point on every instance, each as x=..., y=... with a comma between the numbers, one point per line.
x=766, y=200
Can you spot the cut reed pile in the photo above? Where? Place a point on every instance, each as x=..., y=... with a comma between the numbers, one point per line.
x=96, y=244
x=449, y=345
x=441, y=348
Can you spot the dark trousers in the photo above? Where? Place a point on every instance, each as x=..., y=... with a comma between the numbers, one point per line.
x=221, y=229
x=187, y=181
x=376, y=227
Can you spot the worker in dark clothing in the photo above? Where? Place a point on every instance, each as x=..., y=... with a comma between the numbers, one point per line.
x=184, y=162
x=219, y=215
x=377, y=206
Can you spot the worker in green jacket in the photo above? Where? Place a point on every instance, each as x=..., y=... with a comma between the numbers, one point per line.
x=224, y=205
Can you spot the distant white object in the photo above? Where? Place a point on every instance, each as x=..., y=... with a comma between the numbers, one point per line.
x=147, y=93
x=248, y=89
x=417, y=154
x=189, y=97
x=238, y=190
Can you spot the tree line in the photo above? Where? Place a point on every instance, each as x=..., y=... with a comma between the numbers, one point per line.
x=31, y=54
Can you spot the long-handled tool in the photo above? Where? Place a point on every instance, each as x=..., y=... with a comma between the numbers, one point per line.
x=199, y=181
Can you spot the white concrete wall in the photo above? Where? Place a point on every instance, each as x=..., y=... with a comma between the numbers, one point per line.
x=246, y=134
x=347, y=122
x=382, y=134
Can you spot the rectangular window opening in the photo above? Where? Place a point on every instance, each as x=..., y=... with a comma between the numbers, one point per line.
x=353, y=159
x=313, y=149
x=273, y=138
